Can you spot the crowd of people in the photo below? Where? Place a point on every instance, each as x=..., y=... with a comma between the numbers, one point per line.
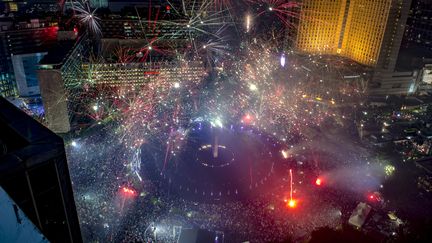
x=118, y=203
x=106, y=213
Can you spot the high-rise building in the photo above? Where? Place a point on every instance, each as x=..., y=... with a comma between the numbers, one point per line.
x=417, y=41
x=34, y=172
x=418, y=32
x=15, y=226
x=366, y=31
x=60, y=67
x=320, y=21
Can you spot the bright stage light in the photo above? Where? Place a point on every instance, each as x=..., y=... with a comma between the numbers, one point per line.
x=176, y=85
x=253, y=87
x=318, y=182
x=74, y=144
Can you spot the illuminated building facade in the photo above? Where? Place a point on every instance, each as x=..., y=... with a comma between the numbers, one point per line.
x=368, y=32
x=118, y=74
x=320, y=21
x=63, y=75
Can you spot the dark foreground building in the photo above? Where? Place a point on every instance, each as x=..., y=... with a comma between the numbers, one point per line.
x=34, y=172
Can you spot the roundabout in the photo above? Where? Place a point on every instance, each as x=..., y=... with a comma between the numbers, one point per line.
x=214, y=163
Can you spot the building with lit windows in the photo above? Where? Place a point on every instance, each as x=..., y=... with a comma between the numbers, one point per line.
x=131, y=53
x=131, y=74
x=418, y=31
x=417, y=41
x=320, y=21
x=67, y=67
x=22, y=45
x=368, y=32
x=9, y=6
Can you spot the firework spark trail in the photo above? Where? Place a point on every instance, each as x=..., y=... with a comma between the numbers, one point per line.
x=285, y=10
x=191, y=23
x=281, y=8
x=158, y=109
x=248, y=23
x=87, y=17
x=197, y=19
x=250, y=174
x=261, y=75
x=222, y=4
x=154, y=111
x=167, y=151
x=291, y=185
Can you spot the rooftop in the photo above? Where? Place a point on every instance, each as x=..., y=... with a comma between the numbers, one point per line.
x=58, y=53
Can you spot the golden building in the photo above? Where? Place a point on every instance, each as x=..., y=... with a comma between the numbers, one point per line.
x=320, y=21
x=367, y=31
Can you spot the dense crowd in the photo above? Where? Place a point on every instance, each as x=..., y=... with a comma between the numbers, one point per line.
x=150, y=214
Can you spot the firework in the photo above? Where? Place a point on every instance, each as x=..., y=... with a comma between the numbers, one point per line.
x=248, y=22
x=282, y=9
x=87, y=17
x=137, y=101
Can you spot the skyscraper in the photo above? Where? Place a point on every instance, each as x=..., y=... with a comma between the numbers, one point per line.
x=366, y=31
x=418, y=31
x=34, y=172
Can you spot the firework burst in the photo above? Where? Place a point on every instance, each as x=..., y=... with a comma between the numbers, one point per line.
x=87, y=17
